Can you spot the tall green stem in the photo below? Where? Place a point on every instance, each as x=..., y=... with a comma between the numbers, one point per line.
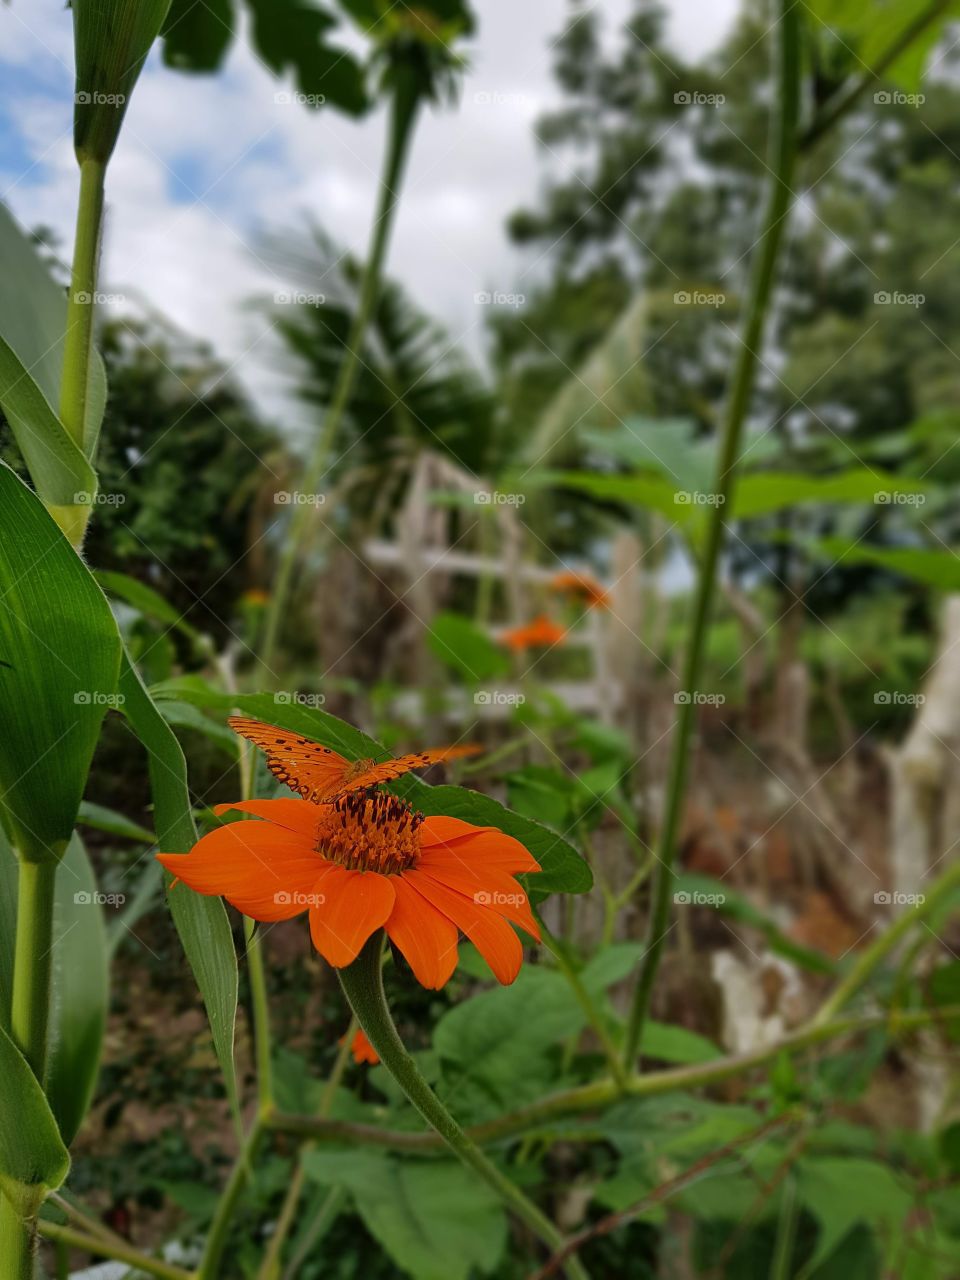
x=78, y=342
x=261, y=1014
x=403, y=113
x=784, y=140
x=209, y=1268
x=362, y=984
x=29, y=1014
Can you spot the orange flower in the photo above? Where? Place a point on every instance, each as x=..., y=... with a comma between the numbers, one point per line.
x=367, y=862
x=580, y=586
x=541, y=633
x=362, y=1049
x=256, y=596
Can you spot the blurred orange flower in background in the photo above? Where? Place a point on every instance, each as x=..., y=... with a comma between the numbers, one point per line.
x=366, y=862
x=580, y=586
x=541, y=633
x=362, y=1050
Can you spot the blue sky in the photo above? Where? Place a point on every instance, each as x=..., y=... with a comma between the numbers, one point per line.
x=205, y=163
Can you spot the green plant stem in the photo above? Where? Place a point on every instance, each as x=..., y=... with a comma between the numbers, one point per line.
x=604, y=1093
x=270, y=1266
x=332, y=1203
x=362, y=984
x=403, y=112
x=209, y=1268
x=593, y=1014
x=784, y=140
x=78, y=341
x=873, y=956
x=842, y=103
x=118, y=1251
x=261, y=1014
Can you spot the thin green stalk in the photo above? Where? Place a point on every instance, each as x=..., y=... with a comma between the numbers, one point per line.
x=118, y=1251
x=270, y=1266
x=403, y=114
x=784, y=139
x=332, y=1203
x=362, y=984
x=604, y=1093
x=593, y=1014
x=873, y=956
x=30, y=1003
x=78, y=341
x=261, y=1014
x=209, y=1268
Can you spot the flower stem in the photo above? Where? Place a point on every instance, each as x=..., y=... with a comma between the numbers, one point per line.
x=403, y=115
x=362, y=984
x=784, y=138
x=593, y=1014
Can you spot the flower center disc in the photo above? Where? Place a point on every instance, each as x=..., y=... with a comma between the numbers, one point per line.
x=371, y=831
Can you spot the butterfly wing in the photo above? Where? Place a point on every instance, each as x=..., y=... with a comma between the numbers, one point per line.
x=305, y=766
x=396, y=768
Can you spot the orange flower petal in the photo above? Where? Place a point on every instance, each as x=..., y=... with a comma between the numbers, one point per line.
x=363, y=1050
x=427, y=938
x=293, y=815
x=354, y=904
x=487, y=888
x=444, y=838
x=488, y=931
x=264, y=871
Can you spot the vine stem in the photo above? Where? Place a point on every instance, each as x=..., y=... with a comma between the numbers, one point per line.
x=784, y=147
x=362, y=984
x=209, y=1268
x=403, y=114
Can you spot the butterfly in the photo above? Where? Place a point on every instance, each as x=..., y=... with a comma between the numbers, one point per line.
x=318, y=773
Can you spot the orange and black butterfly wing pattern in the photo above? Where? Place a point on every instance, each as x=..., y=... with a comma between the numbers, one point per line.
x=302, y=764
x=403, y=764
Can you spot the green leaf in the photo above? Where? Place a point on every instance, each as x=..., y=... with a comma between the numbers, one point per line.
x=112, y=39
x=196, y=36
x=33, y=312
x=461, y=645
x=435, y=1219
x=60, y=655
x=938, y=569
x=80, y=991
x=146, y=601
x=113, y=823
x=33, y=1159
x=8, y=923
x=843, y=1191
x=563, y=870
x=669, y=1043
x=877, y=28
x=201, y=922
